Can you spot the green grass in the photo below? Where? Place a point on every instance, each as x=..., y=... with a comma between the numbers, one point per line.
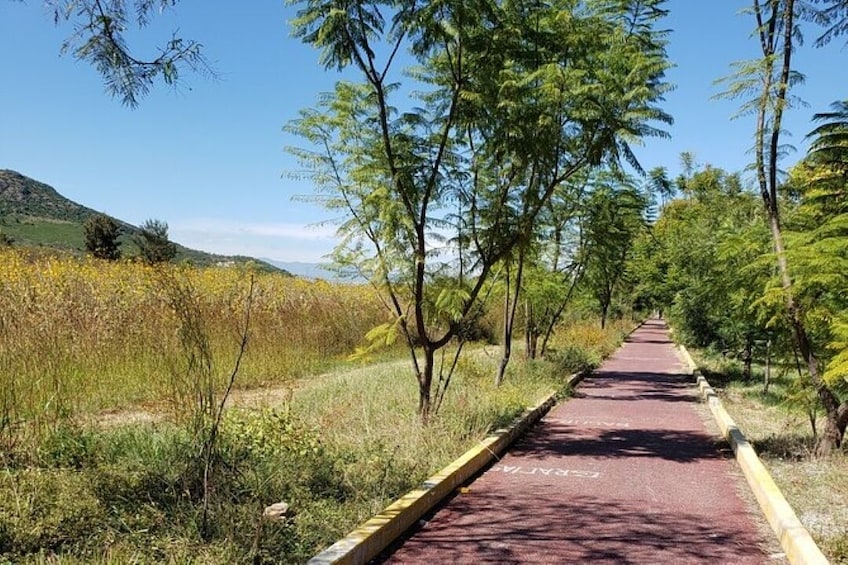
x=778, y=424
x=338, y=448
x=48, y=233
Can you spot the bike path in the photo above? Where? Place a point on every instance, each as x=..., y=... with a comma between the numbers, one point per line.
x=624, y=472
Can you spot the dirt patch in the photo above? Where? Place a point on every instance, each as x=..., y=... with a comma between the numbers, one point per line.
x=252, y=398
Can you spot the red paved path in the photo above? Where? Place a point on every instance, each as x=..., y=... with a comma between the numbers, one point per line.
x=625, y=472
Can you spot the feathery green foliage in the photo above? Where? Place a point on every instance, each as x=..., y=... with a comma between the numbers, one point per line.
x=512, y=101
x=100, y=27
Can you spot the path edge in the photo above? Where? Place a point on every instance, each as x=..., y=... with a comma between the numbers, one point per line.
x=794, y=538
x=374, y=535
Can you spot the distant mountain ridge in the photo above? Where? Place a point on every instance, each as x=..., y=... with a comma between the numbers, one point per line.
x=24, y=196
x=316, y=271
x=305, y=270
x=34, y=214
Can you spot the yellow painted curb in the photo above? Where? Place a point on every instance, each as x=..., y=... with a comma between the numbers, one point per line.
x=794, y=538
x=369, y=539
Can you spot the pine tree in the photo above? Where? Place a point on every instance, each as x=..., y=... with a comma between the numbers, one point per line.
x=153, y=244
x=101, y=237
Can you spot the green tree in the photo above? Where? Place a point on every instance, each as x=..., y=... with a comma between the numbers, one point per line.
x=153, y=244
x=615, y=215
x=560, y=263
x=512, y=100
x=705, y=261
x=829, y=147
x=817, y=235
x=100, y=29
x=768, y=81
x=101, y=237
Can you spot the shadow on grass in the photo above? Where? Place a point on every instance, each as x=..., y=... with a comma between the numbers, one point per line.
x=794, y=447
x=773, y=397
x=792, y=444
x=720, y=379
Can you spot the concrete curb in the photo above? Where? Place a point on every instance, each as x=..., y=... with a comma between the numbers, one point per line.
x=369, y=539
x=794, y=538
x=373, y=536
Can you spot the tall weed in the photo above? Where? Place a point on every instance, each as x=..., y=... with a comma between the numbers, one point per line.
x=78, y=336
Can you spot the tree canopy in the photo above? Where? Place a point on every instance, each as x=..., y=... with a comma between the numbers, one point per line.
x=99, y=35
x=442, y=175
x=101, y=237
x=153, y=244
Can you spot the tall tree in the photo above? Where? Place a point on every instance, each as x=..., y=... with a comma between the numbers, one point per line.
x=769, y=79
x=561, y=261
x=818, y=229
x=512, y=100
x=101, y=237
x=615, y=215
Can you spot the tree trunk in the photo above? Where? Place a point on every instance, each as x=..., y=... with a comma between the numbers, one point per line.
x=549, y=331
x=604, y=309
x=506, y=336
x=834, y=430
x=425, y=380
x=767, y=374
x=748, y=358
x=510, y=307
x=531, y=333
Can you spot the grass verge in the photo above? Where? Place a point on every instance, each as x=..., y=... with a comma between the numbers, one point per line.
x=780, y=423
x=337, y=449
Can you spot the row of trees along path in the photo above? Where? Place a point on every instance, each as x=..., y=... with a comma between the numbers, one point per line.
x=625, y=472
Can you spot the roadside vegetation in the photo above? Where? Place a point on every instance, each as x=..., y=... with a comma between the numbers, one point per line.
x=782, y=421
x=497, y=169
x=85, y=478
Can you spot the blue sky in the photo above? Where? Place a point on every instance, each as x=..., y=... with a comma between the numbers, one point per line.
x=209, y=158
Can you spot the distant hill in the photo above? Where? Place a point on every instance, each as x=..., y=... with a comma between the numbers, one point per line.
x=305, y=270
x=316, y=271
x=27, y=198
x=34, y=214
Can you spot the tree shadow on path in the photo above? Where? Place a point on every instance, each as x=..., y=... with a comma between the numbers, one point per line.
x=501, y=528
x=553, y=439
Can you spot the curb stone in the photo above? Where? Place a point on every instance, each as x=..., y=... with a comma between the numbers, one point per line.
x=794, y=538
x=373, y=536
x=376, y=534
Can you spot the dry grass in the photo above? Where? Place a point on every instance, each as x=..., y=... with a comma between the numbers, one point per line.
x=84, y=341
x=338, y=448
x=782, y=434
x=78, y=336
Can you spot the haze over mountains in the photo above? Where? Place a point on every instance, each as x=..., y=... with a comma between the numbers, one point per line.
x=302, y=269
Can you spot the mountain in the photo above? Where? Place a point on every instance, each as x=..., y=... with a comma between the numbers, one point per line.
x=305, y=270
x=34, y=214
x=317, y=271
x=24, y=197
